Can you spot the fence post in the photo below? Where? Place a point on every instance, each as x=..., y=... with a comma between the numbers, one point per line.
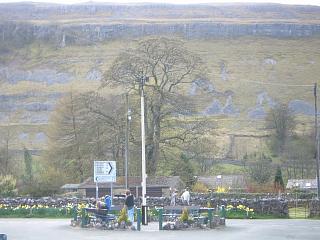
x=83, y=217
x=223, y=211
x=138, y=219
x=160, y=211
x=75, y=215
x=210, y=217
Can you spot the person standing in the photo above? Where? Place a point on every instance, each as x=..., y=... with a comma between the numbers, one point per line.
x=173, y=197
x=107, y=202
x=185, y=197
x=129, y=203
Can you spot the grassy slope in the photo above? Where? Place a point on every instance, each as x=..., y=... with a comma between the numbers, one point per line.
x=297, y=63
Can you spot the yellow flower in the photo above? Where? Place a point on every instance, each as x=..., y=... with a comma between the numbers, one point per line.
x=229, y=207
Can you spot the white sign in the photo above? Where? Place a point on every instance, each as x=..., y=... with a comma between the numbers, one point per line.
x=105, y=171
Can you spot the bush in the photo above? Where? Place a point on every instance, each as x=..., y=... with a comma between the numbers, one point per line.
x=123, y=217
x=185, y=215
x=199, y=187
x=7, y=186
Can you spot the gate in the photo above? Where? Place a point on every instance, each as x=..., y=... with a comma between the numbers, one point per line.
x=299, y=209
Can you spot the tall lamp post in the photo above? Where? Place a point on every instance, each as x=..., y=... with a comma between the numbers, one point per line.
x=143, y=80
x=317, y=138
x=128, y=116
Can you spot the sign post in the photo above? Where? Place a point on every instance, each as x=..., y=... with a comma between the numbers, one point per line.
x=104, y=171
x=97, y=191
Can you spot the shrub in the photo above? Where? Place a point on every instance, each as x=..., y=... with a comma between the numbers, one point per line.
x=199, y=187
x=185, y=215
x=221, y=190
x=123, y=216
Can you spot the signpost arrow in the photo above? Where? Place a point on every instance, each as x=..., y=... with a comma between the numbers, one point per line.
x=110, y=167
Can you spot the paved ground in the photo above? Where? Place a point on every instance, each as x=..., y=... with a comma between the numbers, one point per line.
x=47, y=229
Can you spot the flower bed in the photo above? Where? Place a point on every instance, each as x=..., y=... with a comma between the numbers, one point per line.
x=239, y=212
x=36, y=211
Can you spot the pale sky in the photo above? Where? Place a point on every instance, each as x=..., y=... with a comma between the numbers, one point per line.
x=304, y=2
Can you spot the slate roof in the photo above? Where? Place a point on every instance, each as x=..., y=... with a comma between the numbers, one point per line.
x=159, y=181
x=302, y=183
x=226, y=181
x=70, y=186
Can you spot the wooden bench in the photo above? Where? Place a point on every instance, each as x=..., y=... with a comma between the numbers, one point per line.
x=172, y=213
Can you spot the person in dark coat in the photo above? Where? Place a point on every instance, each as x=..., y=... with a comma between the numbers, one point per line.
x=129, y=203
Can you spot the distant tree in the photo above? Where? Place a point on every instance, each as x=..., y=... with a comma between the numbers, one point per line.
x=282, y=123
x=259, y=167
x=106, y=119
x=298, y=158
x=169, y=66
x=202, y=152
x=85, y=127
x=185, y=170
x=278, y=181
x=6, y=136
x=7, y=186
x=28, y=173
x=68, y=139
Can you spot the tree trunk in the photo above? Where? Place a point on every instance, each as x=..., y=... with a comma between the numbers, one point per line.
x=153, y=147
x=76, y=138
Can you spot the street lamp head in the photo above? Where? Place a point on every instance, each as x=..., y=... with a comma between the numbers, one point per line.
x=142, y=81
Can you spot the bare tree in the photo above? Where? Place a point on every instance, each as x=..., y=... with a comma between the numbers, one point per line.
x=107, y=117
x=203, y=152
x=258, y=166
x=85, y=127
x=281, y=121
x=6, y=136
x=298, y=157
x=168, y=65
x=67, y=135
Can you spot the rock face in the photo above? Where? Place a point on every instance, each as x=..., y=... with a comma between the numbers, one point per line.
x=301, y=107
x=94, y=75
x=223, y=71
x=60, y=35
x=264, y=103
x=35, y=107
x=216, y=108
x=46, y=76
x=21, y=24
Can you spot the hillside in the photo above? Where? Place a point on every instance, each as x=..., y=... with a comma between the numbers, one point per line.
x=252, y=52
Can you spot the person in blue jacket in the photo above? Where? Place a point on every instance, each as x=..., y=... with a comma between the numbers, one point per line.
x=107, y=202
